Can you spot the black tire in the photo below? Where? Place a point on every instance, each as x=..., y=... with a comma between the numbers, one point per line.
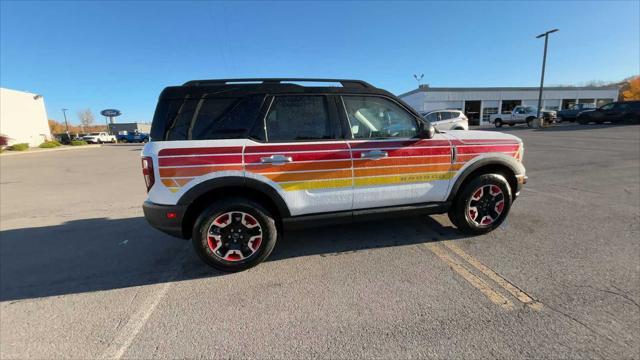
x=202, y=242
x=498, y=123
x=461, y=212
x=559, y=119
x=530, y=121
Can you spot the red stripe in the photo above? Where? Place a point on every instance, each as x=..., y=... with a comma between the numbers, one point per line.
x=486, y=149
x=200, y=160
x=408, y=152
x=294, y=147
x=397, y=144
x=199, y=151
x=325, y=155
x=484, y=142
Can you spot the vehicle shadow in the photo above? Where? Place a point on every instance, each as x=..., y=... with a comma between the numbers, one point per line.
x=103, y=254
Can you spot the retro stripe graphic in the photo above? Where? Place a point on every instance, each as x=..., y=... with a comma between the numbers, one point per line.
x=331, y=165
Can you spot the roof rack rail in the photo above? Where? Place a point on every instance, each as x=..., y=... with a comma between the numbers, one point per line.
x=343, y=82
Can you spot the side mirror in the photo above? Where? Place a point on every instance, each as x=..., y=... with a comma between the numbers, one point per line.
x=426, y=130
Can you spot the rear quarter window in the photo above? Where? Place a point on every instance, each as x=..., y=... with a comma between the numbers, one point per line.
x=204, y=119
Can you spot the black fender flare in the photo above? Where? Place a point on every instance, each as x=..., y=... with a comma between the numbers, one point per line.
x=234, y=181
x=477, y=165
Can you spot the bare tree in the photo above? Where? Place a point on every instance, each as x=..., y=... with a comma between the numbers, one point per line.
x=86, y=118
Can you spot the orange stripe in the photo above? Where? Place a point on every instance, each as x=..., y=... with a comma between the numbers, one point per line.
x=168, y=182
x=322, y=165
x=182, y=182
x=443, y=159
x=401, y=170
x=467, y=157
x=316, y=175
x=196, y=171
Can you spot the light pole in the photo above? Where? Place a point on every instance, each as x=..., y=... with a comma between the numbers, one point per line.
x=66, y=124
x=544, y=63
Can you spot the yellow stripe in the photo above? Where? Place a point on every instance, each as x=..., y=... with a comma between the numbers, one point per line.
x=309, y=185
x=405, y=178
x=505, y=284
x=472, y=279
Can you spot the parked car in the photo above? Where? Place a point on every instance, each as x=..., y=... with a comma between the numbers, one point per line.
x=99, y=138
x=572, y=112
x=521, y=115
x=447, y=119
x=615, y=112
x=132, y=137
x=63, y=138
x=257, y=156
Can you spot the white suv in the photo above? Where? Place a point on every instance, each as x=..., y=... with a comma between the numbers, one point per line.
x=232, y=163
x=447, y=119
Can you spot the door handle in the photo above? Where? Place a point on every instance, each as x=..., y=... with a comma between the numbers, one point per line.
x=374, y=154
x=276, y=159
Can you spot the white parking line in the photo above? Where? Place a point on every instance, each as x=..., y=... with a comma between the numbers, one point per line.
x=122, y=341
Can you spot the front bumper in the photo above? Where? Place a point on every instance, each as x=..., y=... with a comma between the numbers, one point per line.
x=521, y=181
x=166, y=218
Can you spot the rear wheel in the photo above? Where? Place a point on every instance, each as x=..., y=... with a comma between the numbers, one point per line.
x=234, y=234
x=498, y=123
x=530, y=121
x=481, y=205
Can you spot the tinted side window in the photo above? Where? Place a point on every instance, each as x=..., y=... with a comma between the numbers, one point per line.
x=226, y=118
x=376, y=117
x=293, y=118
x=446, y=115
x=166, y=111
x=179, y=127
x=434, y=116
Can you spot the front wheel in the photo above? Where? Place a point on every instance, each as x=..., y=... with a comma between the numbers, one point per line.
x=481, y=205
x=234, y=234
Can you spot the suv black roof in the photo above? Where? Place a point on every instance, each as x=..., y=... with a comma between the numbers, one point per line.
x=242, y=87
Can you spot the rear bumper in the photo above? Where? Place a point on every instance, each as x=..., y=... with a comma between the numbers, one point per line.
x=166, y=218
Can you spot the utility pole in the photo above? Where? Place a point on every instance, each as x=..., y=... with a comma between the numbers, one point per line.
x=544, y=63
x=66, y=124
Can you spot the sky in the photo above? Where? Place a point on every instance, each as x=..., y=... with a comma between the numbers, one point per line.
x=111, y=54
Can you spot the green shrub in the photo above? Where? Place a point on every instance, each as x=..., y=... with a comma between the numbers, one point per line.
x=78, y=142
x=18, y=147
x=49, y=144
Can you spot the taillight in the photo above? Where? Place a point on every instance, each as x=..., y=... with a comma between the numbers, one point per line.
x=147, y=171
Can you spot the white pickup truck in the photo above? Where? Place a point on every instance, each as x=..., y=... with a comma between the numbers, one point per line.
x=521, y=115
x=99, y=138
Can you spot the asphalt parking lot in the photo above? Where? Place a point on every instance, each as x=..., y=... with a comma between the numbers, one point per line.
x=83, y=276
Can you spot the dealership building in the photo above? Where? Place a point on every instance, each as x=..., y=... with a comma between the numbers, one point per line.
x=481, y=102
x=23, y=117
